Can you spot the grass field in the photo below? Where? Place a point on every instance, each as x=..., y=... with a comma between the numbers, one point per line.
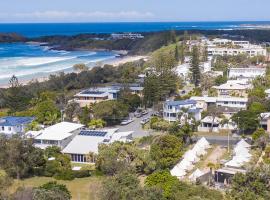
x=81, y=189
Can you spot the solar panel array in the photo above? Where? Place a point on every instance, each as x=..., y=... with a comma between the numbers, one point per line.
x=93, y=133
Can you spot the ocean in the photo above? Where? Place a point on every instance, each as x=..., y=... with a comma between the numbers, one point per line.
x=43, y=29
x=28, y=61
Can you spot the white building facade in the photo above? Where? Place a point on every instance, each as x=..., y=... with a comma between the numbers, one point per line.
x=173, y=109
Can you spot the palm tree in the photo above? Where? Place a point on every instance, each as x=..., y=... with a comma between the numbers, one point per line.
x=50, y=118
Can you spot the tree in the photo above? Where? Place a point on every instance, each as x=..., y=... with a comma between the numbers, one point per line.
x=80, y=67
x=51, y=191
x=15, y=97
x=205, y=54
x=125, y=186
x=19, y=158
x=166, y=151
x=162, y=80
x=195, y=66
x=133, y=101
x=72, y=110
x=220, y=80
x=96, y=123
x=258, y=133
x=252, y=185
x=85, y=115
x=46, y=112
x=257, y=107
x=163, y=180
x=5, y=182
x=246, y=120
x=114, y=158
x=174, y=189
x=176, y=53
x=112, y=112
x=207, y=82
x=182, y=53
x=151, y=90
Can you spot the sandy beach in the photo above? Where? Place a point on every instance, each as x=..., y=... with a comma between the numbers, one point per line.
x=115, y=62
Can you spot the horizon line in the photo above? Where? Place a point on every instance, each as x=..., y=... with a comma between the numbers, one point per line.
x=97, y=22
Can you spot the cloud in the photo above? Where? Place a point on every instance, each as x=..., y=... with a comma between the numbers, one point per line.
x=55, y=15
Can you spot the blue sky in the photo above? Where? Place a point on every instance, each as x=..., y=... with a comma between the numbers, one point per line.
x=133, y=10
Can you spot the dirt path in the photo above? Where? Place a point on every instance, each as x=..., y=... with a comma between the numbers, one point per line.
x=214, y=157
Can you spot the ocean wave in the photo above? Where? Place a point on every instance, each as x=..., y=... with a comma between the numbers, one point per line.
x=101, y=59
x=31, y=61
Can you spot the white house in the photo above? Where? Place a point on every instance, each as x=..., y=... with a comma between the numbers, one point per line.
x=234, y=102
x=233, y=88
x=172, y=109
x=215, y=124
x=56, y=135
x=248, y=72
x=14, y=125
x=96, y=95
x=87, y=141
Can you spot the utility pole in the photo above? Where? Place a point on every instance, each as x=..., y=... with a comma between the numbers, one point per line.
x=228, y=141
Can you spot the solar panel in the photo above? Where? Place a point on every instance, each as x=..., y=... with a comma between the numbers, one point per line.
x=92, y=92
x=93, y=133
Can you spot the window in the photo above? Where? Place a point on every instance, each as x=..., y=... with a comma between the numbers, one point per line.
x=9, y=128
x=3, y=128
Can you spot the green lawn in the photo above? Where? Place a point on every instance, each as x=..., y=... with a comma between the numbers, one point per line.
x=83, y=188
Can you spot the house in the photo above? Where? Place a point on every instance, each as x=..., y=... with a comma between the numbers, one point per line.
x=232, y=102
x=96, y=95
x=248, y=72
x=56, y=135
x=14, y=125
x=215, y=124
x=233, y=88
x=173, y=109
x=265, y=121
x=87, y=142
x=132, y=36
x=223, y=47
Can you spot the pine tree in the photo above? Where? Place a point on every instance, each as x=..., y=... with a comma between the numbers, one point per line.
x=177, y=57
x=195, y=66
x=205, y=54
x=182, y=54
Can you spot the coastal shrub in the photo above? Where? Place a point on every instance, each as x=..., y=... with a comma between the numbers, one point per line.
x=64, y=175
x=159, y=124
x=81, y=173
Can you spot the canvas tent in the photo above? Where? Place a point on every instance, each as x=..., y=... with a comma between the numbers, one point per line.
x=191, y=156
x=241, y=156
x=196, y=174
x=176, y=171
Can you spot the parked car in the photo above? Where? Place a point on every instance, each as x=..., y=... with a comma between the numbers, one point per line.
x=145, y=120
x=144, y=112
x=138, y=113
x=126, y=121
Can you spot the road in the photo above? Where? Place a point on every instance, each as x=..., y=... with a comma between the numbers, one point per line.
x=139, y=132
x=220, y=140
x=136, y=127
